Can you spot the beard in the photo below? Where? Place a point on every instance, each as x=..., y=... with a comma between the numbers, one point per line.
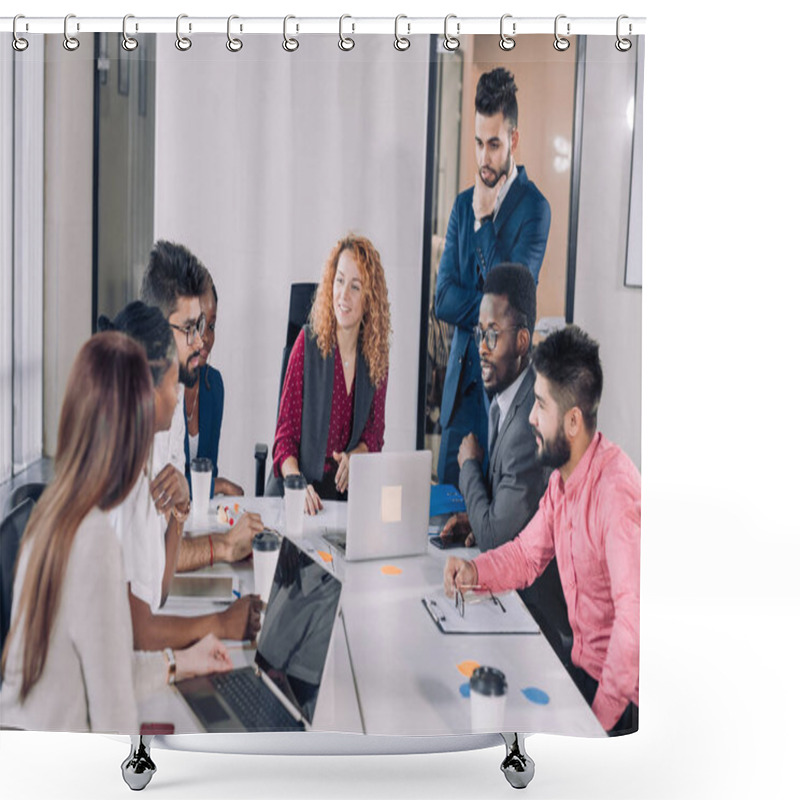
x=554, y=453
x=492, y=182
x=186, y=376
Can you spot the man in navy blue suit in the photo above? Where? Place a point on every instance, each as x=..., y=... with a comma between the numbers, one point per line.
x=502, y=218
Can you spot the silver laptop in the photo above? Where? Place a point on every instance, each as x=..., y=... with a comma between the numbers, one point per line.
x=388, y=506
x=280, y=692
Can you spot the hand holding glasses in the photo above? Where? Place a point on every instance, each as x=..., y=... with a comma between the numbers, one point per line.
x=461, y=602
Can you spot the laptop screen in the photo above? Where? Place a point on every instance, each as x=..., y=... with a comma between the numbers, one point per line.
x=298, y=626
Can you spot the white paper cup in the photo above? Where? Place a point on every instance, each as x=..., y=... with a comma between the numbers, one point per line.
x=294, y=499
x=201, y=470
x=487, y=692
x=266, y=546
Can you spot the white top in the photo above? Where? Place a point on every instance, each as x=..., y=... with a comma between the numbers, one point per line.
x=168, y=445
x=501, y=195
x=193, y=443
x=506, y=398
x=91, y=677
x=140, y=530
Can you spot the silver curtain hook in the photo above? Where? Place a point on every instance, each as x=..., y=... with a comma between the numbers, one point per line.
x=70, y=42
x=560, y=43
x=507, y=42
x=289, y=44
x=450, y=43
x=345, y=42
x=400, y=42
x=183, y=43
x=623, y=45
x=18, y=43
x=233, y=44
x=128, y=42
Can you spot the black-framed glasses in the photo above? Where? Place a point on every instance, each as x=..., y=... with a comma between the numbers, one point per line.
x=192, y=329
x=490, y=335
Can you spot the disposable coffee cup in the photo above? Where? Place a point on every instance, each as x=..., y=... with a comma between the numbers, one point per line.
x=294, y=499
x=487, y=691
x=265, y=556
x=201, y=470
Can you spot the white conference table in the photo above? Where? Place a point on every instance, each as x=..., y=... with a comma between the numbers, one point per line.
x=391, y=671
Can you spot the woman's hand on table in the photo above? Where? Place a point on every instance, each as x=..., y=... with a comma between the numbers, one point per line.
x=170, y=489
x=242, y=620
x=343, y=471
x=313, y=503
x=206, y=656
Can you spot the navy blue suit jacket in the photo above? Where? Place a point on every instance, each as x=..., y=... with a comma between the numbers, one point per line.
x=210, y=403
x=517, y=235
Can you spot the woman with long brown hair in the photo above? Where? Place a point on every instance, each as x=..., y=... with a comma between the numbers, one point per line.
x=334, y=394
x=68, y=662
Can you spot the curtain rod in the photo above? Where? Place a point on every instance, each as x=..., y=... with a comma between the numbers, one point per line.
x=405, y=26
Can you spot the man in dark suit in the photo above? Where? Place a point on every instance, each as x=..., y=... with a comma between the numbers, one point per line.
x=502, y=218
x=502, y=503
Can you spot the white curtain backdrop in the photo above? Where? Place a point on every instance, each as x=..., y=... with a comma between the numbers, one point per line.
x=262, y=162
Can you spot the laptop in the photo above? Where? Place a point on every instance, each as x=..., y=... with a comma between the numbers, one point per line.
x=387, y=507
x=278, y=693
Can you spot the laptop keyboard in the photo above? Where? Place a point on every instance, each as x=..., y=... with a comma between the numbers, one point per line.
x=253, y=703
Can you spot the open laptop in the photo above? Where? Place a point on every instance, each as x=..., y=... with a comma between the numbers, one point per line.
x=388, y=505
x=279, y=693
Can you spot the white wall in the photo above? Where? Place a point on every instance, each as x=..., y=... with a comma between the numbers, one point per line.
x=607, y=309
x=263, y=160
x=67, y=220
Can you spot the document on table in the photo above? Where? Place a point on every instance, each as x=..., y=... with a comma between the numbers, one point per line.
x=504, y=614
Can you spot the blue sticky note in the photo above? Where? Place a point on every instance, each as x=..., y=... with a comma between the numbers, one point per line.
x=464, y=689
x=536, y=696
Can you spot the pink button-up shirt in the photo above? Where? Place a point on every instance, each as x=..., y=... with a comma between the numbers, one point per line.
x=592, y=525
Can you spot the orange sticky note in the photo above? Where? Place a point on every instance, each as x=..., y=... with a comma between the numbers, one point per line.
x=390, y=570
x=466, y=668
x=326, y=557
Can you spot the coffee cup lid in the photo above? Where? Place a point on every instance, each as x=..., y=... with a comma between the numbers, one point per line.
x=266, y=541
x=488, y=681
x=294, y=482
x=202, y=465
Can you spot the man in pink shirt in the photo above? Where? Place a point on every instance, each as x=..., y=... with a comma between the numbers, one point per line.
x=589, y=520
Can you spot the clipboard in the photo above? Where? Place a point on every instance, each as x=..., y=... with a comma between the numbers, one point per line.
x=508, y=616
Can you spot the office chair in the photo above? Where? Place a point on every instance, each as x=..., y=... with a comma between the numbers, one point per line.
x=26, y=490
x=301, y=298
x=11, y=530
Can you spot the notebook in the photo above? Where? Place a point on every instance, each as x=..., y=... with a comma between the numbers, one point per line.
x=279, y=693
x=387, y=507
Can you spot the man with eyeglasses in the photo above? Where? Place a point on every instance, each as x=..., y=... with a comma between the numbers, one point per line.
x=174, y=281
x=502, y=218
x=500, y=503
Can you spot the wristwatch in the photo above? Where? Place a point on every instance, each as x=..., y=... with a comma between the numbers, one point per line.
x=172, y=666
x=487, y=218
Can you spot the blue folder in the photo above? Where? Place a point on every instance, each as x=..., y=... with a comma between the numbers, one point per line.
x=446, y=499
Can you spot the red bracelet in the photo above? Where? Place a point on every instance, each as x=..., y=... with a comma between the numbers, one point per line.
x=211, y=548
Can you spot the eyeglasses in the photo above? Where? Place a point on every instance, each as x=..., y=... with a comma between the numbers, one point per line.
x=461, y=603
x=490, y=335
x=192, y=329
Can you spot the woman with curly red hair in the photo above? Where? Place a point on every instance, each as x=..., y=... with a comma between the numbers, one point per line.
x=334, y=394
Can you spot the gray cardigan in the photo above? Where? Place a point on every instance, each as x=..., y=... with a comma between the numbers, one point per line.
x=317, y=402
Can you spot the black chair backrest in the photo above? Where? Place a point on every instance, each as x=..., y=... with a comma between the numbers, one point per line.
x=301, y=298
x=11, y=530
x=32, y=490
